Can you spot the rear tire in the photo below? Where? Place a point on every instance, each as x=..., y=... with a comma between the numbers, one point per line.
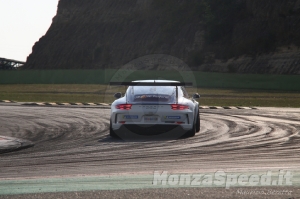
x=192, y=132
x=198, y=122
x=112, y=132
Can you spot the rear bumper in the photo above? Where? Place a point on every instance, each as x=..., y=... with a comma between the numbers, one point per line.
x=157, y=127
x=150, y=130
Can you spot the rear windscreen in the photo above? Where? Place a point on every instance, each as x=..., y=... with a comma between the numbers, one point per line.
x=164, y=94
x=152, y=97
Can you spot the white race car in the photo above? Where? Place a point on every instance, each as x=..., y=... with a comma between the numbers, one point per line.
x=154, y=107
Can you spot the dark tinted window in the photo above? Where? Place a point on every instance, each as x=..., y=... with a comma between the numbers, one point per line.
x=165, y=94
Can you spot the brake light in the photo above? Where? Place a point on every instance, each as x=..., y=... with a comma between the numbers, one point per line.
x=124, y=106
x=179, y=107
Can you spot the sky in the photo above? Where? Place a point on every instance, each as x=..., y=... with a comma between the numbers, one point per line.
x=22, y=23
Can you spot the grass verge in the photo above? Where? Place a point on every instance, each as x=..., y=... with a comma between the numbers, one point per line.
x=104, y=93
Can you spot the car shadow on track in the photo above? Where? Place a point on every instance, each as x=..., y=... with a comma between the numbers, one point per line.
x=109, y=139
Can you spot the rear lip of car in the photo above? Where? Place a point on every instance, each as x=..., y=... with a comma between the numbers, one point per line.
x=143, y=126
x=146, y=129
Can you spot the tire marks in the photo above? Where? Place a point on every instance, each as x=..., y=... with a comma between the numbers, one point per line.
x=75, y=141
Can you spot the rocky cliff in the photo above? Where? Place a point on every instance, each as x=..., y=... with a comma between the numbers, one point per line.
x=252, y=36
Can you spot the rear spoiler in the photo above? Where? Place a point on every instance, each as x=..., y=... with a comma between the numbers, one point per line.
x=151, y=83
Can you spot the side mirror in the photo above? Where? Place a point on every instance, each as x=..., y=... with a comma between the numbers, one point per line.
x=196, y=96
x=118, y=95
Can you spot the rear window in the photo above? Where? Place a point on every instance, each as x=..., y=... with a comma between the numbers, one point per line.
x=151, y=98
x=165, y=94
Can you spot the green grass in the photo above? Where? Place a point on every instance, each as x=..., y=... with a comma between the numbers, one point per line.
x=104, y=93
x=246, y=97
x=55, y=93
x=216, y=89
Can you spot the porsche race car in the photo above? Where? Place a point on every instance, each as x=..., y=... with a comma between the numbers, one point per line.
x=152, y=107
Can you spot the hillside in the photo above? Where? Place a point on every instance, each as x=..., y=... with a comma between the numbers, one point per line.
x=246, y=36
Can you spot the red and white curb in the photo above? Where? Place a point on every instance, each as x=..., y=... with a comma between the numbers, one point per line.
x=227, y=107
x=63, y=104
x=108, y=105
x=7, y=101
x=105, y=105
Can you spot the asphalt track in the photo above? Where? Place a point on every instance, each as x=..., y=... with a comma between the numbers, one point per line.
x=72, y=152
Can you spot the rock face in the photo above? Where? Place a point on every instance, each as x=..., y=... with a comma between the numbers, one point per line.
x=211, y=35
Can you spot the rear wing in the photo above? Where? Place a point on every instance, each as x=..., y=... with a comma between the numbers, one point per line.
x=151, y=83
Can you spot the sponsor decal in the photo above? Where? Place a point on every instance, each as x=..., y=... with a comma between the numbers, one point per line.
x=130, y=116
x=173, y=117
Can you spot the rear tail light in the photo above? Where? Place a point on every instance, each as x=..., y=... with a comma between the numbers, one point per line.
x=124, y=106
x=179, y=107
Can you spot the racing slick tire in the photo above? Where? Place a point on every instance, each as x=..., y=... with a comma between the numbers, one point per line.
x=198, y=123
x=191, y=133
x=112, y=132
